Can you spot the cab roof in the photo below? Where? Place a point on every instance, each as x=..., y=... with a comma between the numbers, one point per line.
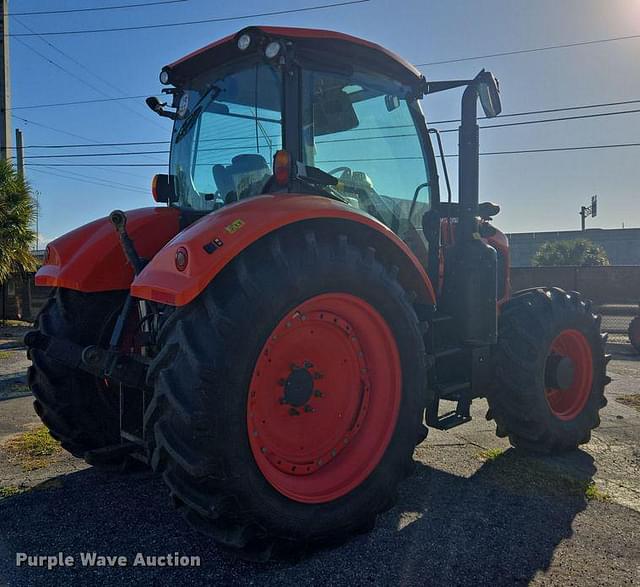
x=320, y=43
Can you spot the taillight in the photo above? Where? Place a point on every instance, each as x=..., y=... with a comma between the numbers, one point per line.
x=282, y=167
x=182, y=259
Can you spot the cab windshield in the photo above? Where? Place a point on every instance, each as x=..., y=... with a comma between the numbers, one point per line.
x=228, y=129
x=359, y=127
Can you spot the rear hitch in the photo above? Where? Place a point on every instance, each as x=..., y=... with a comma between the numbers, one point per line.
x=130, y=371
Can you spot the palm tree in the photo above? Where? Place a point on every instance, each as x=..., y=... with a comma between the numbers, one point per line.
x=17, y=214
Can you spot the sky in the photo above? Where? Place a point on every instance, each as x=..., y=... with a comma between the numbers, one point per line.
x=537, y=192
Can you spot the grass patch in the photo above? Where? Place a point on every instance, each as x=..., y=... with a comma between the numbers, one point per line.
x=32, y=450
x=4, y=355
x=9, y=490
x=632, y=400
x=491, y=454
x=528, y=475
x=592, y=493
x=16, y=324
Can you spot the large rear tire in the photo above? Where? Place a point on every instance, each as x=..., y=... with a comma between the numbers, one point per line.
x=289, y=396
x=550, y=371
x=80, y=410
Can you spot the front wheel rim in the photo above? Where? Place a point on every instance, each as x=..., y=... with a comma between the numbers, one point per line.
x=324, y=398
x=567, y=404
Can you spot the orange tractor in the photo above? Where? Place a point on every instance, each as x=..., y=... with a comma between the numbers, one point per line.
x=277, y=338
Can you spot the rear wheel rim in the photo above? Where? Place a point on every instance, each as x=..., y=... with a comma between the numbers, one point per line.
x=324, y=398
x=567, y=404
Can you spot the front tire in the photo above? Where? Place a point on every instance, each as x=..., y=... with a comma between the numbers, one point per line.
x=550, y=371
x=289, y=395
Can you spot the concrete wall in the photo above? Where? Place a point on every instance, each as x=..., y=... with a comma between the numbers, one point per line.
x=621, y=244
x=602, y=285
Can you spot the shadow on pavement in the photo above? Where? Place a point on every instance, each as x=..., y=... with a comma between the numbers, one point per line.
x=499, y=526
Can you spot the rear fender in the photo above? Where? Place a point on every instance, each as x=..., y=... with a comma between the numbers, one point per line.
x=215, y=240
x=90, y=258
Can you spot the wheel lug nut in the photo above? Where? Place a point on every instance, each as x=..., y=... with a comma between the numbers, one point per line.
x=308, y=409
x=282, y=400
x=293, y=412
x=317, y=393
x=308, y=365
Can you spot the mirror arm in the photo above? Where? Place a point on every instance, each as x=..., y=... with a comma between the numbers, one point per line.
x=441, y=86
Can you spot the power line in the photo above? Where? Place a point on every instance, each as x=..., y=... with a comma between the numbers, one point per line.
x=431, y=123
x=194, y=22
x=64, y=132
x=392, y=136
x=92, y=182
x=109, y=181
x=98, y=154
x=512, y=152
x=95, y=9
x=147, y=119
x=533, y=50
x=51, y=128
x=94, y=101
x=60, y=67
x=84, y=145
x=559, y=119
x=547, y=111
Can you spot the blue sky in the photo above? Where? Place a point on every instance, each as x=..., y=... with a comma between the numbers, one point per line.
x=537, y=191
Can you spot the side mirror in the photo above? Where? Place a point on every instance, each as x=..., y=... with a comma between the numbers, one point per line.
x=158, y=107
x=163, y=189
x=489, y=94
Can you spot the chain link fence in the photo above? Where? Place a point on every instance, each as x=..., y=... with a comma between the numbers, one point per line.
x=616, y=319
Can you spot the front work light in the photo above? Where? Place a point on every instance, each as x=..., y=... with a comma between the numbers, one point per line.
x=272, y=50
x=243, y=42
x=164, y=77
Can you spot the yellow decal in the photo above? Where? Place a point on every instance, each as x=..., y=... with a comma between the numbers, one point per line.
x=235, y=226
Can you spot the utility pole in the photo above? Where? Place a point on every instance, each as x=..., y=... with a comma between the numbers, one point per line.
x=19, y=153
x=588, y=211
x=5, y=85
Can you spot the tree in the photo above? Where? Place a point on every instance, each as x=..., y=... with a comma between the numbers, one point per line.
x=17, y=213
x=580, y=252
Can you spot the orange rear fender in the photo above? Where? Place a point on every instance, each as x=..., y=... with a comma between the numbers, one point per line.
x=215, y=240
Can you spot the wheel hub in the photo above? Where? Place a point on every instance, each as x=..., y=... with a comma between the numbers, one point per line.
x=559, y=372
x=298, y=388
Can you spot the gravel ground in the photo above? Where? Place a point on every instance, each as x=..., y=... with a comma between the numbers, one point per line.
x=460, y=519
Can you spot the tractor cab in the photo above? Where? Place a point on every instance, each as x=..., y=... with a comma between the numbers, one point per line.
x=346, y=113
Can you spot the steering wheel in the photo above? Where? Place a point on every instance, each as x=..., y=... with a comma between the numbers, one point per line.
x=340, y=169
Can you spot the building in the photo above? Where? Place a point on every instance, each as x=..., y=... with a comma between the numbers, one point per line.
x=622, y=245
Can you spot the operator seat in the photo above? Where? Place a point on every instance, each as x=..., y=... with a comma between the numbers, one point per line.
x=244, y=177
